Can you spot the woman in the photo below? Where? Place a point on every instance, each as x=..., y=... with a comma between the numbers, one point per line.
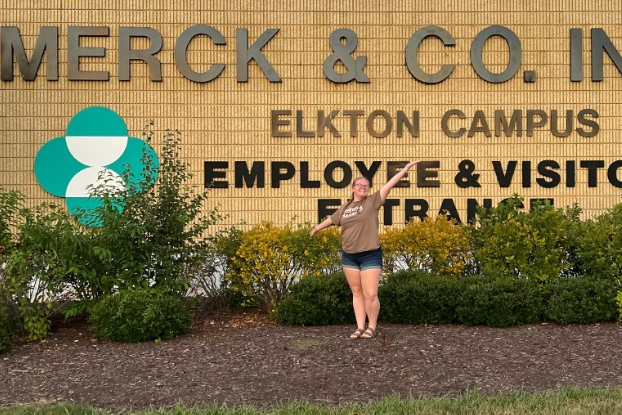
x=361, y=256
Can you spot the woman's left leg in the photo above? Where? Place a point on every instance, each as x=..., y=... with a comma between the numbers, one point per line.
x=370, y=279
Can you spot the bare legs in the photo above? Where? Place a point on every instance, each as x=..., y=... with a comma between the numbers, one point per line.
x=364, y=286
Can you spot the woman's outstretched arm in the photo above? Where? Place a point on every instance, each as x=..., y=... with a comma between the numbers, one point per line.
x=384, y=190
x=321, y=226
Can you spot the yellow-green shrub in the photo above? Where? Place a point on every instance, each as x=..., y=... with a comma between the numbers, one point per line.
x=437, y=245
x=271, y=258
x=318, y=254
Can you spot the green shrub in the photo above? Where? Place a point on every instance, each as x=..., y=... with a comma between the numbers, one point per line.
x=322, y=300
x=37, y=269
x=139, y=315
x=581, y=300
x=619, y=303
x=8, y=326
x=11, y=204
x=31, y=284
x=528, y=245
x=599, y=248
x=416, y=297
x=498, y=301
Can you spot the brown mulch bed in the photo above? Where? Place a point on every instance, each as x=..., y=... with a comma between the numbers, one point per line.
x=245, y=359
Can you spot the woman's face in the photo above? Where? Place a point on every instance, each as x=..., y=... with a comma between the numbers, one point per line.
x=360, y=188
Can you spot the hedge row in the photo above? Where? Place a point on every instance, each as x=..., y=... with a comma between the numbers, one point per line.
x=415, y=297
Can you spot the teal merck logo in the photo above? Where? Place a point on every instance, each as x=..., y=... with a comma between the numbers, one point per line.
x=96, y=145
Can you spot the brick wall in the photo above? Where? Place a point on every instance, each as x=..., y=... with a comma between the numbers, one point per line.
x=226, y=120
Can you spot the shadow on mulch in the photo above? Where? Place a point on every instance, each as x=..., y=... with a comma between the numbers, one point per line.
x=243, y=358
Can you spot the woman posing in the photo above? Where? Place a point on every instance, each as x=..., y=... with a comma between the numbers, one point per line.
x=361, y=255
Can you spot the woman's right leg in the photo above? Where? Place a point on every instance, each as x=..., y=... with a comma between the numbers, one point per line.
x=353, y=276
x=370, y=279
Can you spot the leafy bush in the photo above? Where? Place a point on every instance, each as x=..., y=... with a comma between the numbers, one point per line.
x=8, y=325
x=322, y=300
x=600, y=245
x=438, y=246
x=498, y=301
x=619, y=303
x=139, y=315
x=11, y=204
x=37, y=248
x=318, y=254
x=37, y=269
x=416, y=297
x=270, y=259
x=581, y=300
x=263, y=265
x=530, y=245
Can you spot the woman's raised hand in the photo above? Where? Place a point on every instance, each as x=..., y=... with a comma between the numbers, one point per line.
x=412, y=163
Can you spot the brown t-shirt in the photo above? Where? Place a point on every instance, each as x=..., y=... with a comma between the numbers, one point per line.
x=359, y=224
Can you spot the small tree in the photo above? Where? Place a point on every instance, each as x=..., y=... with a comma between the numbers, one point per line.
x=152, y=230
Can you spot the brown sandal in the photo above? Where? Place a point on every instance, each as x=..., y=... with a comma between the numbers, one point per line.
x=369, y=333
x=357, y=334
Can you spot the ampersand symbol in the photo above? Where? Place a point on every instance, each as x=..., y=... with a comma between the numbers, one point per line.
x=342, y=53
x=466, y=178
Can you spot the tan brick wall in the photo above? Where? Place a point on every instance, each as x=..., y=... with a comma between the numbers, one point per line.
x=227, y=121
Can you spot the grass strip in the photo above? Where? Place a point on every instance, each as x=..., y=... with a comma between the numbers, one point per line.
x=567, y=401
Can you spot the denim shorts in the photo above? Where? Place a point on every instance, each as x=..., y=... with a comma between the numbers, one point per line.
x=363, y=260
